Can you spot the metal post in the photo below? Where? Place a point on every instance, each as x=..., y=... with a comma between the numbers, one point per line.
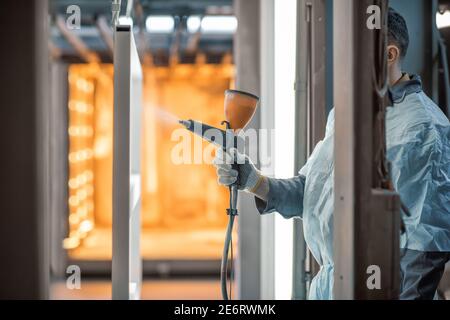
x=267, y=116
x=366, y=218
x=246, y=42
x=58, y=166
x=301, y=144
x=24, y=137
x=126, y=260
x=310, y=116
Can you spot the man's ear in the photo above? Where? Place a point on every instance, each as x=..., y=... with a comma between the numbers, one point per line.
x=393, y=53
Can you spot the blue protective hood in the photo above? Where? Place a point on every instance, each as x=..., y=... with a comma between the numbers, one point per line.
x=398, y=92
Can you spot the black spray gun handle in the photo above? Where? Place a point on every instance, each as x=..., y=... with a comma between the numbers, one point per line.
x=233, y=144
x=232, y=210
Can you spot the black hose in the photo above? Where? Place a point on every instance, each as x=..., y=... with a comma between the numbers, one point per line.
x=224, y=263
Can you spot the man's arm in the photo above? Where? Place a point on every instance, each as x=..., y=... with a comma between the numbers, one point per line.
x=281, y=195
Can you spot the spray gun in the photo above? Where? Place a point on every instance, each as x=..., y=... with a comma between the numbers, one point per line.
x=239, y=109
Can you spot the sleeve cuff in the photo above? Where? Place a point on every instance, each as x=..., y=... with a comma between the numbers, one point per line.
x=285, y=197
x=270, y=205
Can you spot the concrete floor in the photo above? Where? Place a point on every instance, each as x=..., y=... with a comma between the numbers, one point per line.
x=151, y=290
x=180, y=289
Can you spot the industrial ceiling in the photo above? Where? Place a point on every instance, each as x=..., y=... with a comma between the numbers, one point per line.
x=93, y=40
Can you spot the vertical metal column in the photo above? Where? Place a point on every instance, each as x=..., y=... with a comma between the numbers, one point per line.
x=310, y=119
x=366, y=218
x=343, y=45
x=246, y=53
x=24, y=114
x=58, y=165
x=126, y=260
x=267, y=122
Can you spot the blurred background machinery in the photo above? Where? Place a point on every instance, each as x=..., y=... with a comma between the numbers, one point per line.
x=57, y=91
x=185, y=48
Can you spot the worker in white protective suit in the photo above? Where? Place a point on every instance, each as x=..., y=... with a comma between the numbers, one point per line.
x=418, y=149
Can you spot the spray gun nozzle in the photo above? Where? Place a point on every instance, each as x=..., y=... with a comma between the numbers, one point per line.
x=186, y=123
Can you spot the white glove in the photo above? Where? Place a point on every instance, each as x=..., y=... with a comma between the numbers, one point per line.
x=246, y=176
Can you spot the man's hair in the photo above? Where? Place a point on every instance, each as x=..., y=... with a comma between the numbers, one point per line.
x=398, y=32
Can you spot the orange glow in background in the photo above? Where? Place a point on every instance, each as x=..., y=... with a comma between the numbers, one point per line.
x=183, y=207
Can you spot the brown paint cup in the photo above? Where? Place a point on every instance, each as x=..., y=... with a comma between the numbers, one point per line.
x=240, y=107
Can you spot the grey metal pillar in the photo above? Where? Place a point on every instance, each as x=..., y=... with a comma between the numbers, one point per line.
x=366, y=218
x=310, y=117
x=58, y=168
x=246, y=54
x=267, y=122
x=24, y=242
x=126, y=255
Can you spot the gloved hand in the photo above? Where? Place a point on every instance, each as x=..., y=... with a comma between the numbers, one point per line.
x=246, y=175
